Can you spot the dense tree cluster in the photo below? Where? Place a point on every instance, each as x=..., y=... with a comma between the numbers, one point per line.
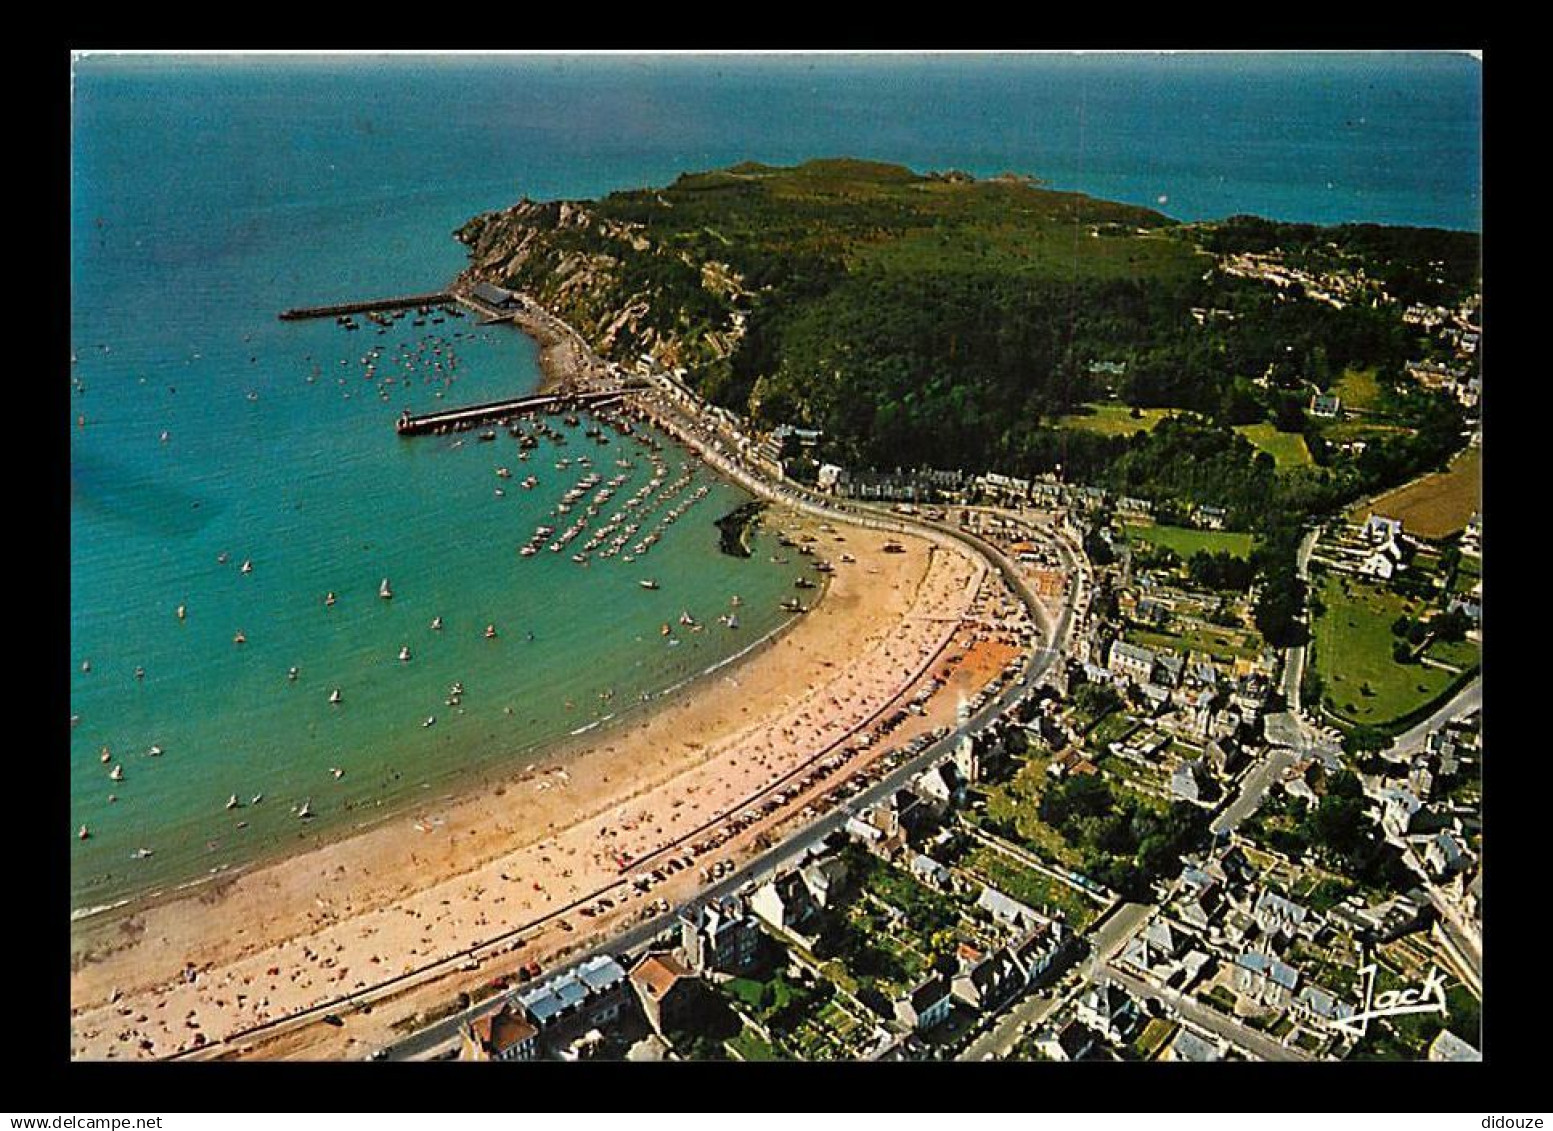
x=1127, y=845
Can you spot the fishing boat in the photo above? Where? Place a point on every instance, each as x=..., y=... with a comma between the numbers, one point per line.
x=686, y=619
x=84, y=833
x=490, y=632
x=648, y=583
x=239, y=638
x=142, y=853
x=384, y=591
x=665, y=630
x=503, y=473
x=733, y=621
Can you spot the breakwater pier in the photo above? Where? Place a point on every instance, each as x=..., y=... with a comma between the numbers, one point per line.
x=297, y=313
x=494, y=412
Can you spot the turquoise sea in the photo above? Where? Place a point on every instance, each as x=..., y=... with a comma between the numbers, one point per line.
x=208, y=194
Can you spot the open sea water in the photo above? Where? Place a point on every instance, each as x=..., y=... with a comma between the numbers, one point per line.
x=209, y=194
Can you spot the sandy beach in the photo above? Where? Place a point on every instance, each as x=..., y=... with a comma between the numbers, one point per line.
x=460, y=871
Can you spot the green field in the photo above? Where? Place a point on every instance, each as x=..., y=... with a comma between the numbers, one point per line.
x=1185, y=541
x=1114, y=419
x=1287, y=448
x=1353, y=653
x=1224, y=644
x=1462, y=654
x=1359, y=390
x=1029, y=886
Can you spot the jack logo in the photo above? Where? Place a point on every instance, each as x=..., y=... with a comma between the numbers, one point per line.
x=1427, y=998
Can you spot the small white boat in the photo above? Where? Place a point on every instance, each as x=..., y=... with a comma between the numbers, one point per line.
x=337, y=772
x=105, y=757
x=181, y=612
x=307, y=809
x=648, y=583
x=117, y=773
x=239, y=638
x=247, y=566
x=436, y=623
x=142, y=853
x=404, y=654
x=430, y=719
x=490, y=632
x=233, y=803
x=384, y=591
x=258, y=797
x=334, y=696
x=329, y=597
x=154, y=752
x=84, y=833
x=291, y=674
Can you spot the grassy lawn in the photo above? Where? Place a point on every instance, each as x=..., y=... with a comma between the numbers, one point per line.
x=1462, y=654
x=1186, y=541
x=1359, y=389
x=1114, y=727
x=1436, y=505
x=1287, y=448
x=1353, y=652
x=1030, y=887
x=1137, y=779
x=1225, y=644
x=1153, y=1037
x=750, y=1045
x=1114, y=419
